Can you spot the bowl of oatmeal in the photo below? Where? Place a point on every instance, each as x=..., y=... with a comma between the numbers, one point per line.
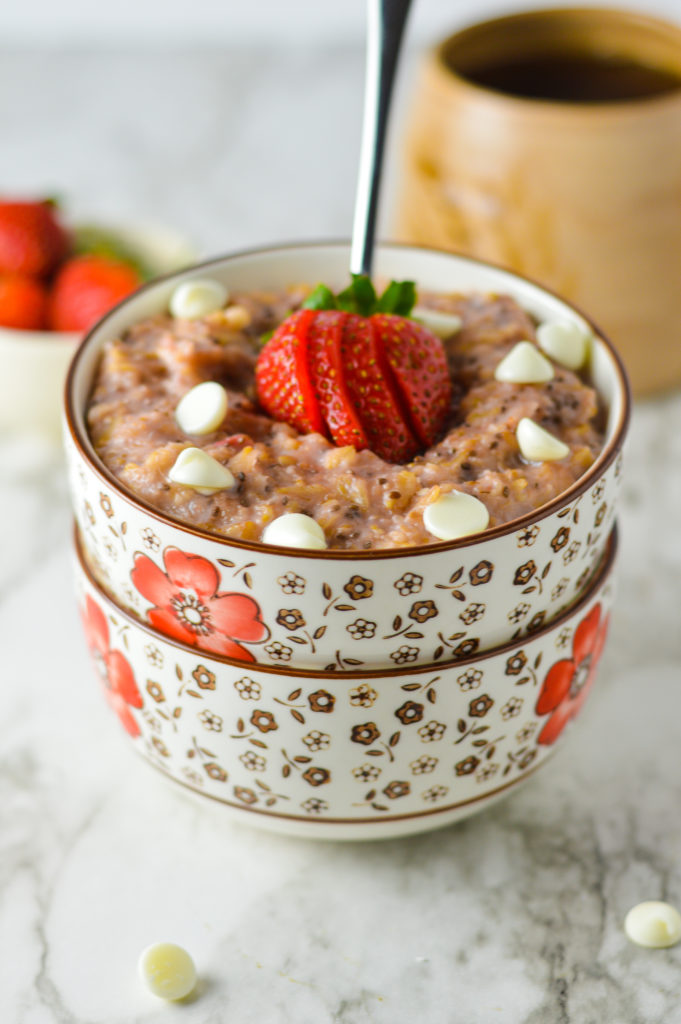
x=353, y=755
x=380, y=589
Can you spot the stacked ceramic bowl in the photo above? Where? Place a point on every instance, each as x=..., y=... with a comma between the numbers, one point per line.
x=346, y=694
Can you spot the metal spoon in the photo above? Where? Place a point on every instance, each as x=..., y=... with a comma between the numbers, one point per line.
x=386, y=21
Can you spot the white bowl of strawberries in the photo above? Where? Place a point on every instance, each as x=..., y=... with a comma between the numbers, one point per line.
x=56, y=281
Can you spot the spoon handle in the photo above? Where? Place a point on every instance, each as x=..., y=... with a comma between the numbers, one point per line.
x=386, y=21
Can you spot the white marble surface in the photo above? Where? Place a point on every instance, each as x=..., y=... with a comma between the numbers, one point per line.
x=512, y=917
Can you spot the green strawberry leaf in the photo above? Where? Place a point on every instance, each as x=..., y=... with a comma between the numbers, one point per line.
x=398, y=298
x=360, y=297
x=320, y=297
x=94, y=241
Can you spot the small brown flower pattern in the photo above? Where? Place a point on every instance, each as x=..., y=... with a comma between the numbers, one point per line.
x=394, y=790
x=421, y=611
x=524, y=573
x=362, y=696
x=560, y=588
x=518, y=613
x=248, y=689
x=357, y=588
x=432, y=732
x=153, y=655
x=515, y=664
x=424, y=765
x=160, y=747
x=536, y=622
x=526, y=760
x=150, y=539
x=361, y=629
x=290, y=583
x=435, y=793
x=470, y=679
x=290, y=618
x=366, y=733
x=404, y=654
x=479, y=707
x=204, y=678
x=466, y=647
x=487, y=772
x=316, y=776
x=600, y=515
x=211, y=721
x=481, y=573
x=89, y=514
x=321, y=701
x=511, y=708
x=316, y=740
x=410, y=712
x=526, y=733
x=264, y=721
x=366, y=772
x=409, y=583
x=314, y=806
x=528, y=536
x=105, y=505
x=571, y=553
x=561, y=538
x=564, y=638
x=253, y=762
x=215, y=771
x=155, y=691
x=278, y=651
x=467, y=766
x=472, y=613
x=245, y=795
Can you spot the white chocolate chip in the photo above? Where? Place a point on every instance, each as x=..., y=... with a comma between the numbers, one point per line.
x=202, y=409
x=193, y=299
x=537, y=445
x=524, y=364
x=654, y=924
x=436, y=320
x=195, y=468
x=455, y=515
x=167, y=970
x=294, y=530
x=564, y=341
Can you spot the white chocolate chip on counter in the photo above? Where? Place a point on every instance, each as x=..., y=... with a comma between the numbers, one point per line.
x=524, y=364
x=195, y=468
x=653, y=924
x=564, y=341
x=295, y=530
x=167, y=970
x=537, y=444
x=436, y=320
x=193, y=299
x=455, y=515
x=202, y=409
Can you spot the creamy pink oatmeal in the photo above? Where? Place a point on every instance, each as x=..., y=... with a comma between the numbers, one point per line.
x=360, y=500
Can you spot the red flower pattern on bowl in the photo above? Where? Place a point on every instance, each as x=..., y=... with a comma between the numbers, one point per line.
x=569, y=680
x=189, y=607
x=122, y=691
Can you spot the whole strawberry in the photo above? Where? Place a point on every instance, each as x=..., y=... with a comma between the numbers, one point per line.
x=85, y=288
x=355, y=368
x=23, y=302
x=32, y=241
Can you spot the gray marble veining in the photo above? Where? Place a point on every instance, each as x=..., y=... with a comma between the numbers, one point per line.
x=514, y=916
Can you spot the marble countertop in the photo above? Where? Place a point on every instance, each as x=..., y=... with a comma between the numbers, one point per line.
x=514, y=916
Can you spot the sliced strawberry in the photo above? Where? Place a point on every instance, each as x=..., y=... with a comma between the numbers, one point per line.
x=328, y=378
x=373, y=392
x=418, y=362
x=282, y=375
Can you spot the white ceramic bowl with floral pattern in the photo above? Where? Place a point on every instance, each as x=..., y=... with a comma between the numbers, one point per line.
x=357, y=755
x=344, y=610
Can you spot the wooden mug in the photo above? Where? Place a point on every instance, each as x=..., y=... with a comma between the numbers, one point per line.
x=550, y=141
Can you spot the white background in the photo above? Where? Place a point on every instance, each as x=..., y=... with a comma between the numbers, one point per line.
x=207, y=22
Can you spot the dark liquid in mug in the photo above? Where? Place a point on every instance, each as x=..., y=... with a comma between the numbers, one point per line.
x=575, y=78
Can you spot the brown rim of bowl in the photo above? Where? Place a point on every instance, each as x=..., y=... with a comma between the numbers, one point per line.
x=601, y=463
x=602, y=572
x=564, y=108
